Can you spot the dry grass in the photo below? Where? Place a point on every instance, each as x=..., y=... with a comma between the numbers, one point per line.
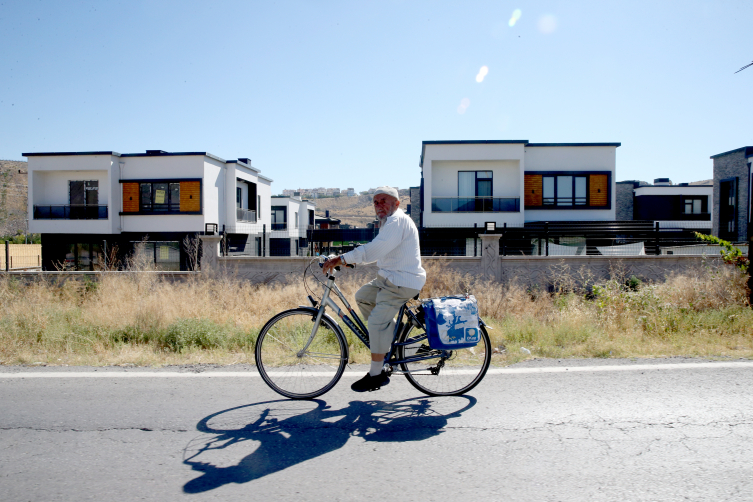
x=142, y=320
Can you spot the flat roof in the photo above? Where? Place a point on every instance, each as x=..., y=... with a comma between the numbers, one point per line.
x=748, y=152
x=575, y=144
x=524, y=142
x=56, y=154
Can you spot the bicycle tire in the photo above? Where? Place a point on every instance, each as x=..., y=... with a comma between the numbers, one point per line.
x=311, y=374
x=461, y=371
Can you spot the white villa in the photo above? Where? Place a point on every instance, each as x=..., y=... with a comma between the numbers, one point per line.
x=467, y=183
x=87, y=205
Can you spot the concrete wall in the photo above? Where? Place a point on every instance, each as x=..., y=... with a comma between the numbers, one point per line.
x=535, y=271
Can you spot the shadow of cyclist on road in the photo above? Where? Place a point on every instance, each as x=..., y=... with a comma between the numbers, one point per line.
x=292, y=432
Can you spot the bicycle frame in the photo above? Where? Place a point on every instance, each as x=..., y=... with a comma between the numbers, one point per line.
x=357, y=327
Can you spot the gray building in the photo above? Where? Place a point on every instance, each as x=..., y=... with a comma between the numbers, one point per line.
x=682, y=205
x=731, y=203
x=624, y=196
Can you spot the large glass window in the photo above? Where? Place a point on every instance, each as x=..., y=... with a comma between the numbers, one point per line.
x=159, y=197
x=279, y=217
x=475, y=184
x=83, y=198
x=564, y=190
x=473, y=187
x=164, y=255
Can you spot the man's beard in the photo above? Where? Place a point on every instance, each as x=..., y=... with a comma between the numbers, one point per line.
x=382, y=221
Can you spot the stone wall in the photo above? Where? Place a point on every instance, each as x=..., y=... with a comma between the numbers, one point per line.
x=624, y=198
x=732, y=165
x=415, y=206
x=528, y=271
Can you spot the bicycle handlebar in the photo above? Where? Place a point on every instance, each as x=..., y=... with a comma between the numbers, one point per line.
x=324, y=259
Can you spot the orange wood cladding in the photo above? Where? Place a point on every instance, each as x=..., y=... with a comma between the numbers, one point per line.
x=533, y=190
x=598, y=190
x=190, y=196
x=130, y=197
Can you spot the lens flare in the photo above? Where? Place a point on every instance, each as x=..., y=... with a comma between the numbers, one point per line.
x=547, y=24
x=464, y=104
x=482, y=73
x=515, y=16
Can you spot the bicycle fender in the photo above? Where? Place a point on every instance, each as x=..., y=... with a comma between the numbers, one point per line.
x=482, y=323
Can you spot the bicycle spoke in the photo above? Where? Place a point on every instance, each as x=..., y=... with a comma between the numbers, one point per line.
x=292, y=373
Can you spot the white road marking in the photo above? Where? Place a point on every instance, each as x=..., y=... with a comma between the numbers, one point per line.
x=492, y=371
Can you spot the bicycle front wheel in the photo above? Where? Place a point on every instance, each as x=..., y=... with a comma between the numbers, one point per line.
x=447, y=372
x=289, y=369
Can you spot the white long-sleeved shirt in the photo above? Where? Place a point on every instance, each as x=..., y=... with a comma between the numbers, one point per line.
x=396, y=252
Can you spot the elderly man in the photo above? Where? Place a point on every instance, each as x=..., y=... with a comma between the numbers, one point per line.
x=399, y=279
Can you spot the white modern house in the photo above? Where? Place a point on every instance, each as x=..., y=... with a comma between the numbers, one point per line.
x=87, y=205
x=471, y=183
x=292, y=217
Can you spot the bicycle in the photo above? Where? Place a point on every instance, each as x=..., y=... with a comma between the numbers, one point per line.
x=301, y=353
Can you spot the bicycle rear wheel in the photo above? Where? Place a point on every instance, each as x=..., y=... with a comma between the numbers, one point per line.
x=288, y=370
x=452, y=372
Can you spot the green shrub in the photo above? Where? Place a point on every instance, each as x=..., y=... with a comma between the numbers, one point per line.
x=193, y=333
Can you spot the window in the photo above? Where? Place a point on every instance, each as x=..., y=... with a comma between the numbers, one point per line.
x=692, y=206
x=238, y=197
x=159, y=197
x=474, y=191
x=258, y=206
x=279, y=217
x=564, y=190
x=567, y=190
x=83, y=200
x=296, y=220
x=164, y=254
x=474, y=183
x=83, y=193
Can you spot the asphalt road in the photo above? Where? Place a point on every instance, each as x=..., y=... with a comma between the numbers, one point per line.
x=541, y=431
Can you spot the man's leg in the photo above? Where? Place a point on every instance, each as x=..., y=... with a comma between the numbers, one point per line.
x=389, y=299
x=366, y=299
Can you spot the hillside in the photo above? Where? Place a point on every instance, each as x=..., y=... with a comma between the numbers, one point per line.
x=13, y=192
x=356, y=211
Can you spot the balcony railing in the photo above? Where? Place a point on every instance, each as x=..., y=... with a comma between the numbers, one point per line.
x=475, y=205
x=245, y=215
x=70, y=212
x=695, y=216
x=279, y=226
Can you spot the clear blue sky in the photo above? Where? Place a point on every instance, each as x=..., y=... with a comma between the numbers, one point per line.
x=341, y=94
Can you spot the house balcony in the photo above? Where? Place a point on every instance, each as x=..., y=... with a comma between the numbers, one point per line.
x=245, y=215
x=70, y=212
x=475, y=205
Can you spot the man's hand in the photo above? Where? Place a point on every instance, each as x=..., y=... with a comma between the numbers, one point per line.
x=330, y=265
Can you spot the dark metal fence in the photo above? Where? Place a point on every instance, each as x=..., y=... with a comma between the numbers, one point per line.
x=567, y=238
